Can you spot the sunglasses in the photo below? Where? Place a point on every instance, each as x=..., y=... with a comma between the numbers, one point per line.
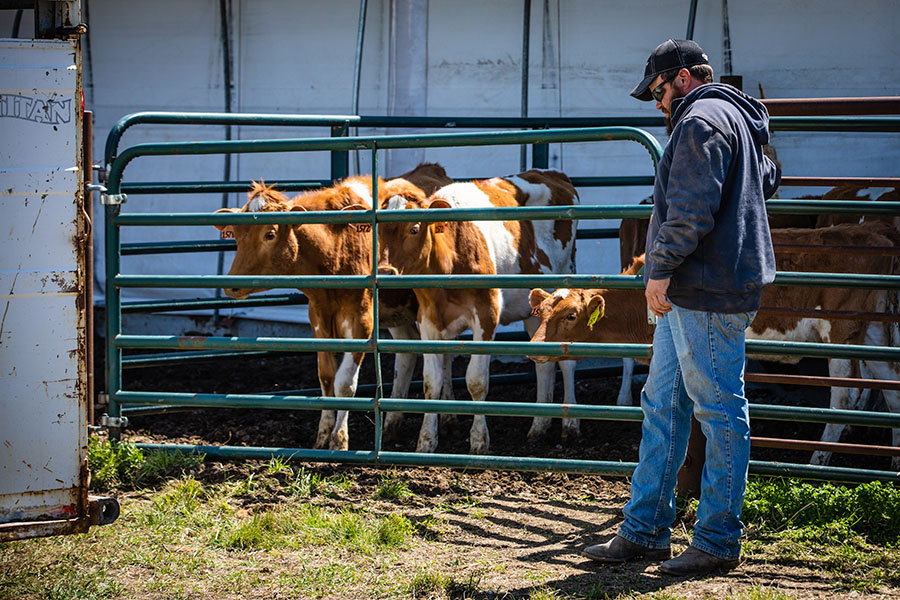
x=658, y=92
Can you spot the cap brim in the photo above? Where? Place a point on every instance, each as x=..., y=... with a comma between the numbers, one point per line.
x=642, y=90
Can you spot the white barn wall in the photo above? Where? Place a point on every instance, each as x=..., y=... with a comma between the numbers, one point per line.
x=585, y=56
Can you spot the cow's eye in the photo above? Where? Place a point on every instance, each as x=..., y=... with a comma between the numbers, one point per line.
x=414, y=229
x=270, y=235
x=571, y=316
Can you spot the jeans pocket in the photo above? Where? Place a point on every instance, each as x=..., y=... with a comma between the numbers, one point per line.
x=738, y=322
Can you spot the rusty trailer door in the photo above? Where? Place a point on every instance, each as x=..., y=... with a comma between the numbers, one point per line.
x=43, y=364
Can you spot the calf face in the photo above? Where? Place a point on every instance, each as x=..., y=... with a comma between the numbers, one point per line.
x=591, y=316
x=261, y=249
x=565, y=316
x=417, y=247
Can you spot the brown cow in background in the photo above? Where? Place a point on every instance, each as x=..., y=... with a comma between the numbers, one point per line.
x=621, y=314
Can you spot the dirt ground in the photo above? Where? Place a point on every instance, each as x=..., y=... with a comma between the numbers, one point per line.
x=522, y=528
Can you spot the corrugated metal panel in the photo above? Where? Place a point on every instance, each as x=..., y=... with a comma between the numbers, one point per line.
x=43, y=438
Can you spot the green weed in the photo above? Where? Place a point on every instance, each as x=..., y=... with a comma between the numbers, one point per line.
x=298, y=526
x=392, y=488
x=116, y=464
x=426, y=583
x=543, y=593
x=871, y=509
x=278, y=465
x=316, y=582
x=112, y=463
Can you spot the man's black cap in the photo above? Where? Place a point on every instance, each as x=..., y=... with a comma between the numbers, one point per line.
x=671, y=54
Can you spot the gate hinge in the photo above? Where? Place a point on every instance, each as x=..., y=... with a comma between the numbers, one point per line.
x=112, y=199
x=113, y=422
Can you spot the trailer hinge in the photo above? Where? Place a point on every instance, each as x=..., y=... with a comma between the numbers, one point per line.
x=113, y=422
x=112, y=199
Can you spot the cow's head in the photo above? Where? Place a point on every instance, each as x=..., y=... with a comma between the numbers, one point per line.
x=417, y=247
x=302, y=248
x=566, y=316
x=261, y=249
x=584, y=315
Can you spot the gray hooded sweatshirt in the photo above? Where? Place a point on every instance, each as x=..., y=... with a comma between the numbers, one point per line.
x=708, y=231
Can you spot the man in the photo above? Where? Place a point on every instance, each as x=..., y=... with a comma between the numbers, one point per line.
x=708, y=256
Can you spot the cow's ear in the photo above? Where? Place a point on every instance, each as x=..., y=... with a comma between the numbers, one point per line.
x=227, y=230
x=596, y=309
x=537, y=297
x=358, y=227
x=439, y=226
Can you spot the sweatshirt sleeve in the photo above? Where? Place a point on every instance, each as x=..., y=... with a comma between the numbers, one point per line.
x=771, y=177
x=700, y=162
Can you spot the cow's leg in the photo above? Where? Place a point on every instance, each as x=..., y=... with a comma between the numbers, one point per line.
x=404, y=364
x=477, y=377
x=624, y=398
x=841, y=398
x=571, y=428
x=888, y=372
x=545, y=373
x=892, y=399
x=345, y=381
x=448, y=421
x=478, y=374
x=327, y=369
x=433, y=377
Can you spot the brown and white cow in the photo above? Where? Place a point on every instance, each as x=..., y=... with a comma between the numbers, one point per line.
x=621, y=315
x=482, y=248
x=334, y=249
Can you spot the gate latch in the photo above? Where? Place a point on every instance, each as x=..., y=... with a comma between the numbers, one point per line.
x=112, y=199
x=113, y=422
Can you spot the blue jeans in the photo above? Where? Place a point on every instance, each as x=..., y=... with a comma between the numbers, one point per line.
x=697, y=366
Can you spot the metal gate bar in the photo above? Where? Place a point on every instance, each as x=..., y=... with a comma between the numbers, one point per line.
x=610, y=468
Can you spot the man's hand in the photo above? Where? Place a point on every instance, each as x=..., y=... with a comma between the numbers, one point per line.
x=657, y=302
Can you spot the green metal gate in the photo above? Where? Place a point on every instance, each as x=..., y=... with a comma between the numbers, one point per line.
x=376, y=403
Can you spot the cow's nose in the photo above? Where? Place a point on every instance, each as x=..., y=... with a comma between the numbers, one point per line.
x=387, y=270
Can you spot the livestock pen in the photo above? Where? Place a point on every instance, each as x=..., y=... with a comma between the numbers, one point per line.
x=377, y=403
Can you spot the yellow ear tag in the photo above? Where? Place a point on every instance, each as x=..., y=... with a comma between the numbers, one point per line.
x=596, y=315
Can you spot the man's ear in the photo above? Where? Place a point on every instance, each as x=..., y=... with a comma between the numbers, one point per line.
x=439, y=226
x=537, y=297
x=227, y=230
x=596, y=309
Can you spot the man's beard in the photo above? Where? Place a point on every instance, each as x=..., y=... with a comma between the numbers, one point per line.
x=668, y=116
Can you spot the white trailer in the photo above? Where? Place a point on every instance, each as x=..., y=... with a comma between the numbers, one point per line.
x=44, y=400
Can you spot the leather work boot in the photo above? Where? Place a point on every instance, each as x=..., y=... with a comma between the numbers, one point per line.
x=619, y=550
x=694, y=561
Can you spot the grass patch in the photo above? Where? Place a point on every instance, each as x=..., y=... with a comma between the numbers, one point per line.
x=296, y=527
x=316, y=582
x=427, y=583
x=853, y=533
x=58, y=579
x=871, y=510
x=117, y=464
x=392, y=488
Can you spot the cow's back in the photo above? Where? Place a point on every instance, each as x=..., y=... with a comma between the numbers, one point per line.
x=841, y=299
x=532, y=247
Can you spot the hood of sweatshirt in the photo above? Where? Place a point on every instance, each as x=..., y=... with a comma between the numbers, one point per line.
x=753, y=110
